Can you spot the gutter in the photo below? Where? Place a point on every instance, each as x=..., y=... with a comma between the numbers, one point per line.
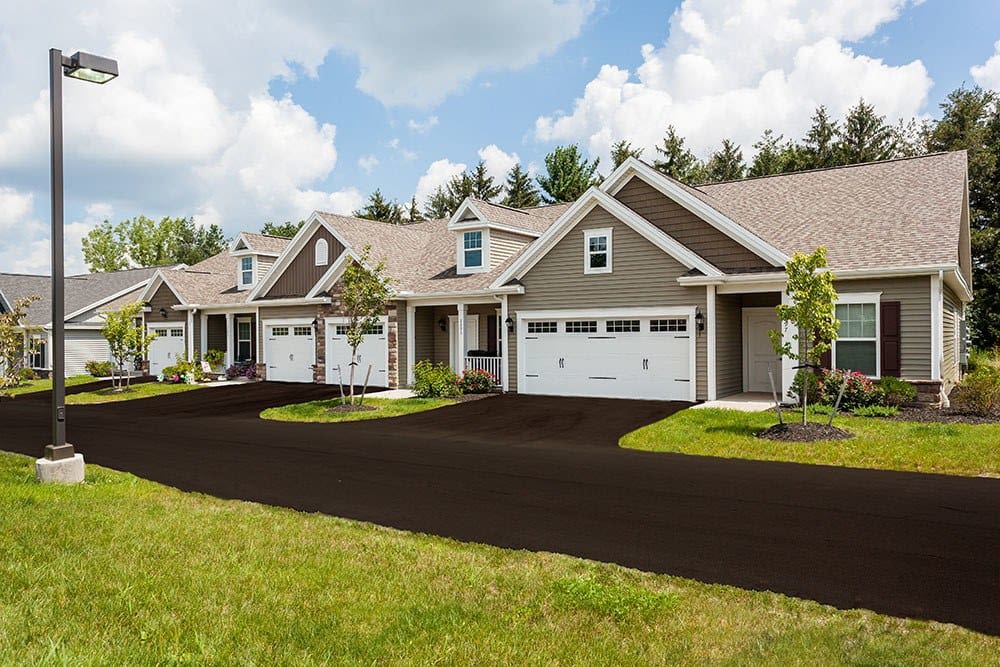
x=844, y=274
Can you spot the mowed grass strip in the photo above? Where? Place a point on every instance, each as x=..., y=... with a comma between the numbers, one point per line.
x=953, y=449
x=143, y=390
x=125, y=571
x=31, y=386
x=320, y=411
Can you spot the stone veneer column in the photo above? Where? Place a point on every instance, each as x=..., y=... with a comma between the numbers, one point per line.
x=392, y=339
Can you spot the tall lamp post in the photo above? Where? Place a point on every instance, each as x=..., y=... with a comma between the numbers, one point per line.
x=61, y=463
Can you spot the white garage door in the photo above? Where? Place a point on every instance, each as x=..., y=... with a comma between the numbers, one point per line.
x=290, y=350
x=373, y=351
x=83, y=345
x=614, y=357
x=166, y=348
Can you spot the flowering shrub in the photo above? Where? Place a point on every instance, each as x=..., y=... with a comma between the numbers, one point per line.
x=860, y=392
x=182, y=371
x=248, y=371
x=476, y=381
x=432, y=380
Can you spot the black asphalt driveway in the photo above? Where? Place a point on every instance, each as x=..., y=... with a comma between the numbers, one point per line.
x=546, y=474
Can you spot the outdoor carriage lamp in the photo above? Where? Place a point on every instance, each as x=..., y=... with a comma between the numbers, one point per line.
x=699, y=320
x=163, y=313
x=510, y=323
x=443, y=324
x=88, y=67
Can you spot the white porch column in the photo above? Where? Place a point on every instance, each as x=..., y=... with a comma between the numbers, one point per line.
x=203, y=343
x=190, y=335
x=937, y=325
x=787, y=365
x=710, y=340
x=229, y=340
x=460, y=362
x=505, y=339
x=411, y=345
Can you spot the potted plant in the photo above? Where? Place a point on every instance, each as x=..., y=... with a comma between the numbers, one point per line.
x=215, y=359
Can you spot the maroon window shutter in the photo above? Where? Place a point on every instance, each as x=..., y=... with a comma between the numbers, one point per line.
x=491, y=334
x=826, y=361
x=890, y=339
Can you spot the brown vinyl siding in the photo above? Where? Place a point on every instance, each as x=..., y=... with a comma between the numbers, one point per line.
x=216, y=332
x=164, y=298
x=687, y=228
x=728, y=344
x=643, y=276
x=950, y=371
x=504, y=245
x=914, y=296
x=302, y=273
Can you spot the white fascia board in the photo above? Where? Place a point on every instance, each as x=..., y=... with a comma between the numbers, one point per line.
x=467, y=225
x=261, y=253
x=108, y=299
x=466, y=207
x=217, y=309
x=290, y=252
x=633, y=167
x=332, y=274
x=584, y=205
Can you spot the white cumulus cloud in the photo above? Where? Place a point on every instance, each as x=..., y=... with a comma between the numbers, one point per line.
x=497, y=161
x=422, y=126
x=367, y=163
x=438, y=173
x=987, y=75
x=731, y=69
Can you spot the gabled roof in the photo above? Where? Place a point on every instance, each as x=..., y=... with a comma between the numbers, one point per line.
x=529, y=221
x=82, y=292
x=211, y=281
x=262, y=244
x=891, y=214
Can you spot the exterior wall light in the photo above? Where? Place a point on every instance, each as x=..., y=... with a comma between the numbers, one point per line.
x=699, y=320
x=510, y=324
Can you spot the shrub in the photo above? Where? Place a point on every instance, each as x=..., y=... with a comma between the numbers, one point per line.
x=984, y=358
x=812, y=385
x=26, y=374
x=182, y=371
x=99, y=369
x=861, y=391
x=979, y=392
x=875, y=411
x=248, y=371
x=432, y=380
x=896, y=392
x=477, y=381
x=215, y=357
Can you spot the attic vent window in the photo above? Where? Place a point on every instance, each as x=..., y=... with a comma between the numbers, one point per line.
x=322, y=253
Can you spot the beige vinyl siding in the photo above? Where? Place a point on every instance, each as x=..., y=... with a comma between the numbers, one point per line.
x=687, y=228
x=302, y=273
x=950, y=370
x=728, y=344
x=164, y=298
x=83, y=345
x=914, y=296
x=504, y=245
x=264, y=265
x=642, y=276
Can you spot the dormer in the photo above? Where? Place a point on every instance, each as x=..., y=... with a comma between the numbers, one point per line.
x=254, y=255
x=487, y=235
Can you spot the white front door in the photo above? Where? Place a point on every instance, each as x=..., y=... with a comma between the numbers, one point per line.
x=758, y=354
x=290, y=350
x=167, y=348
x=457, y=352
x=373, y=352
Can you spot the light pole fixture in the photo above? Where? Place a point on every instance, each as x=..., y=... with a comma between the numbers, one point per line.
x=61, y=463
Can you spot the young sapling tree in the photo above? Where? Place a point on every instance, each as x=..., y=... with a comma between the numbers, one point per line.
x=366, y=290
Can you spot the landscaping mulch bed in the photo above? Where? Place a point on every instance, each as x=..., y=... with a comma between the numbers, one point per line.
x=798, y=432
x=942, y=416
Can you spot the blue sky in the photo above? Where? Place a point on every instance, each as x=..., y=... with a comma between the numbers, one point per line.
x=268, y=112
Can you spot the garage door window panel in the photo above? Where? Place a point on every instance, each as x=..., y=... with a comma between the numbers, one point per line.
x=622, y=326
x=581, y=326
x=668, y=326
x=597, y=251
x=542, y=327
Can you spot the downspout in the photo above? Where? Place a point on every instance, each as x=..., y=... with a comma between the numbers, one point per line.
x=504, y=352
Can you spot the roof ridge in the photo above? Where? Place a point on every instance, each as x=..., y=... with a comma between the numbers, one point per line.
x=821, y=169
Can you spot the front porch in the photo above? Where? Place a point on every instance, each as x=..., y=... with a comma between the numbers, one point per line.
x=465, y=336
x=233, y=333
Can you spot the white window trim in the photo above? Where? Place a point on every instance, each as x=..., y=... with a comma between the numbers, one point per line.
x=589, y=234
x=864, y=297
x=460, y=247
x=240, y=271
x=249, y=340
x=324, y=259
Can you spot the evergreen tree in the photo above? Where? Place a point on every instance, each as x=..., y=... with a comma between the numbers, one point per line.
x=438, y=205
x=678, y=162
x=865, y=136
x=483, y=186
x=287, y=229
x=521, y=192
x=819, y=148
x=413, y=211
x=381, y=209
x=568, y=175
x=622, y=151
x=459, y=187
x=775, y=156
x=726, y=164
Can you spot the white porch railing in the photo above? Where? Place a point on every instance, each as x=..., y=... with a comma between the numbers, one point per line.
x=491, y=365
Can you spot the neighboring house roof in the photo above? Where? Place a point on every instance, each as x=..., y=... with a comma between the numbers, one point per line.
x=897, y=213
x=533, y=220
x=211, y=281
x=82, y=292
x=264, y=243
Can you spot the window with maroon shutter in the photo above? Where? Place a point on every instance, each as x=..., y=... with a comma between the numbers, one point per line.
x=890, y=338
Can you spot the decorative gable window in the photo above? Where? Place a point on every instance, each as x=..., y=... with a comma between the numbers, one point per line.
x=473, y=251
x=597, y=251
x=322, y=252
x=857, y=344
x=246, y=271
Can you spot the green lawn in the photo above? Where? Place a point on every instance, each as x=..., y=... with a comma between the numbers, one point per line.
x=32, y=386
x=954, y=449
x=142, y=390
x=319, y=411
x=124, y=571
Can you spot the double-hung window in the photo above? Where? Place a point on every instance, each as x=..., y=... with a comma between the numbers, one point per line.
x=597, y=251
x=246, y=271
x=856, y=347
x=472, y=250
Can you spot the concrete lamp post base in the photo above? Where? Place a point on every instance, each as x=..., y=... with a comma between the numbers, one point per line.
x=68, y=470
